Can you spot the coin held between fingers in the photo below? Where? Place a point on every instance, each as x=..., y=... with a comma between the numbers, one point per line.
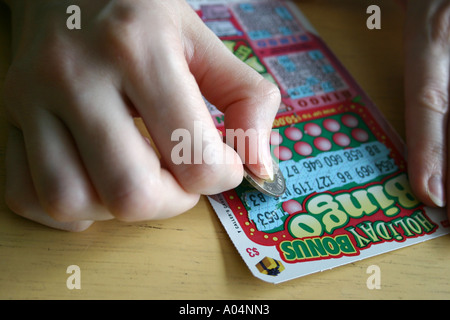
x=272, y=187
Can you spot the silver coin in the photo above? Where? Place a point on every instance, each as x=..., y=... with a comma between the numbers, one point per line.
x=274, y=188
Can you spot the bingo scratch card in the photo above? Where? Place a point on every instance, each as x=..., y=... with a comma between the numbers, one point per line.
x=347, y=192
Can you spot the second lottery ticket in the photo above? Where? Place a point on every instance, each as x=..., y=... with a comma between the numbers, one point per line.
x=347, y=192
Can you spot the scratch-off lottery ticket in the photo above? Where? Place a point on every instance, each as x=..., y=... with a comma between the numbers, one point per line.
x=347, y=192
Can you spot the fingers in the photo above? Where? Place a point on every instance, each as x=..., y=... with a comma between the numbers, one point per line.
x=84, y=159
x=59, y=177
x=174, y=112
x=248, y=101
x=95, y=167
x=427, y=85
x=123, y=168
x=20, y=194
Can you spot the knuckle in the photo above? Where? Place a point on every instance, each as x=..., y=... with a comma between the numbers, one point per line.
x=267, y=93
x=62, y=205
x=23, y=72
x=21, y=206
x=124, y=33
x=271, y=90
x=207, y=178
x=274, y=97
x=119, y=32
x=135, y=201
x=58, y=48
x=434, y=99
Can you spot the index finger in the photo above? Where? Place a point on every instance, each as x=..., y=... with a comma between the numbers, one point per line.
x=248, y=101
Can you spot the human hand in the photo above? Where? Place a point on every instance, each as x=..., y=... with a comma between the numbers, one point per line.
x=74, y=154
x=427, y=49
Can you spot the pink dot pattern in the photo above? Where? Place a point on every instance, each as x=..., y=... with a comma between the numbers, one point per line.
x=305, y=147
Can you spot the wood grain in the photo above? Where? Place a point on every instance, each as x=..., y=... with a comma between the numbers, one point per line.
x=191, y=256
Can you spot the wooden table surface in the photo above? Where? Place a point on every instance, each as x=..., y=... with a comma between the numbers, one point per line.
x=191, y=256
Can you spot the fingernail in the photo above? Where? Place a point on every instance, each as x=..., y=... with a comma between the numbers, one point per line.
x=266, y=158
x=268, y=166
x=436, y=190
